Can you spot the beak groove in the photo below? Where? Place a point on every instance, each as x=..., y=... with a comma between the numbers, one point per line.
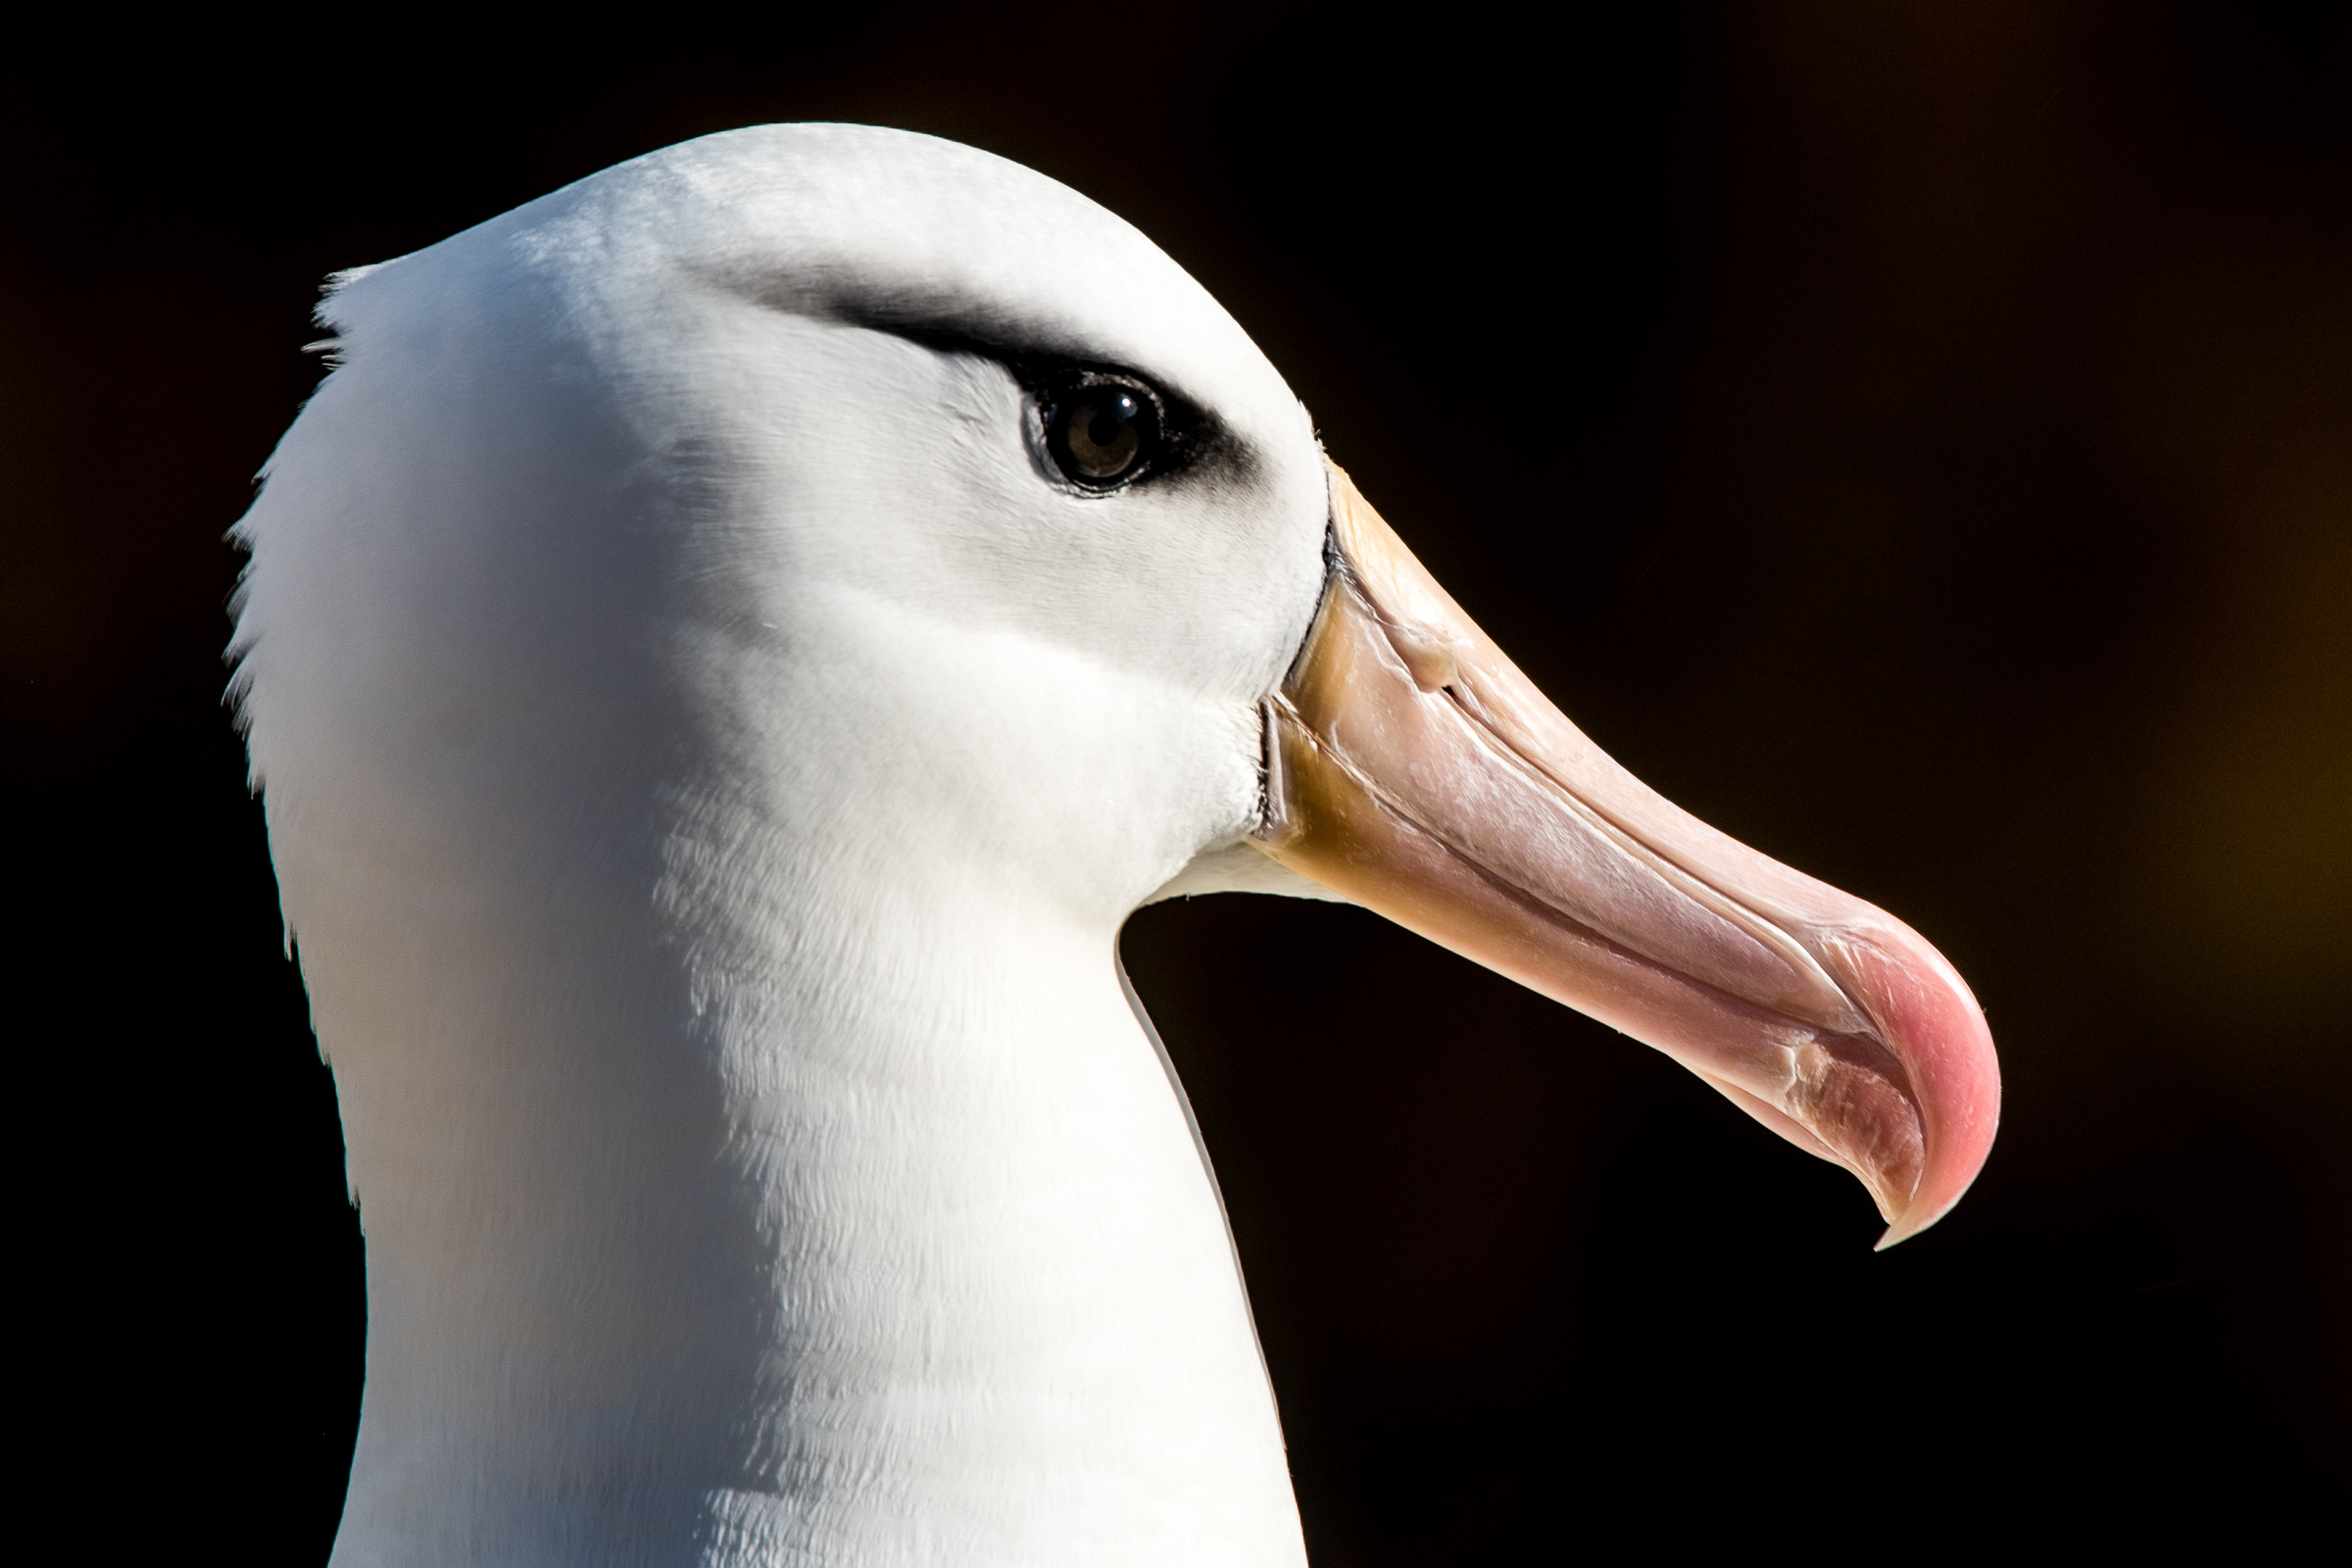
x=1411, y=767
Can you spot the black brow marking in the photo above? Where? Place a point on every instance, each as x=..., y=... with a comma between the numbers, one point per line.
x=1189, y=431
x=1200, y=446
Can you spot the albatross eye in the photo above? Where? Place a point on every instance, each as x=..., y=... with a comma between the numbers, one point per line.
x=1100, y=432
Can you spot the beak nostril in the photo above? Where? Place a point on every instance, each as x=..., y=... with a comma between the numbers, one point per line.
x=1428, y=658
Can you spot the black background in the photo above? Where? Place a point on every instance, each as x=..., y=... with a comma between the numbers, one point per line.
x=1918, y=439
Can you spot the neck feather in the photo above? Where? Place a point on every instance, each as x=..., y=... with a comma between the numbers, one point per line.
x=845, y=1226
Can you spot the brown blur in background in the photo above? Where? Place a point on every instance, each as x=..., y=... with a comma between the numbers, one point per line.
x=1916, y=438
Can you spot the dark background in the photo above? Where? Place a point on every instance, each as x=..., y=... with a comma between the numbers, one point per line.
x=1916, y=438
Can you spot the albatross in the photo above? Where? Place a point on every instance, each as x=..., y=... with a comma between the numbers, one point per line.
x=723, y=651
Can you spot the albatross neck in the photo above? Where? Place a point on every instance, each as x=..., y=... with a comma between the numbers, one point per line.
x=849, y=1226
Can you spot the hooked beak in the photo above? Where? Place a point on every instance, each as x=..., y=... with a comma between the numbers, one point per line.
x=1412, y=768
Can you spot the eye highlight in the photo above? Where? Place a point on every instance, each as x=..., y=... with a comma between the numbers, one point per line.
x=1102, y=431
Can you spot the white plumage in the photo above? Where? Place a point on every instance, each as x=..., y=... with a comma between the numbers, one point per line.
x=707, y=764
x=712, y=738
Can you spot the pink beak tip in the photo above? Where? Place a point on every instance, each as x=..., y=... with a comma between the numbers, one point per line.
x=1955, y=1073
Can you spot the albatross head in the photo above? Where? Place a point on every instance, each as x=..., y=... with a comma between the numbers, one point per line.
x=726, y=649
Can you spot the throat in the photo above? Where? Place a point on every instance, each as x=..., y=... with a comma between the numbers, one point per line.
x=792, y=1243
